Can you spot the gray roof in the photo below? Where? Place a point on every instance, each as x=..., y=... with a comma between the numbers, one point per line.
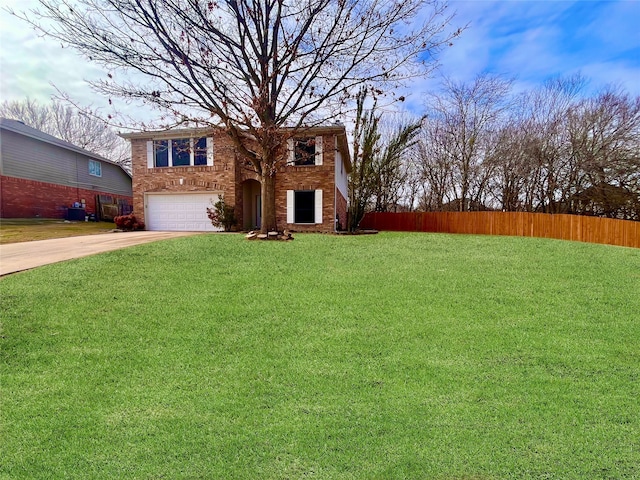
x=23, y=129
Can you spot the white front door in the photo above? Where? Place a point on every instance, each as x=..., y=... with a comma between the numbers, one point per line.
x=179, y=212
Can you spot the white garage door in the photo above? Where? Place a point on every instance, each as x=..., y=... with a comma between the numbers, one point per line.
x=180, y=212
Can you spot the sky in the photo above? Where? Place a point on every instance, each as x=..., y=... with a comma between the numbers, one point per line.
x=529, y=41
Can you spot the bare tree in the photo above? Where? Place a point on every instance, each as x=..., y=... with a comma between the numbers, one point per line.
x=551, y=149
x=251, y=66
x=510, y=170
x=30, y=113
x=379, y=158
x=546, y=143
x=411, y=170
x=605, y=147
x=436, y=167
x=463, y=118
x=393, y=156
x=71, y=125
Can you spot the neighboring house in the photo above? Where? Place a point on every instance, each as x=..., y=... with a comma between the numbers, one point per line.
x=177, y=174
x=604, y=200
x=43, y=176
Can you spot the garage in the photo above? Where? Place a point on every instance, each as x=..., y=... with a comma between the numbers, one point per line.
x=179, y=212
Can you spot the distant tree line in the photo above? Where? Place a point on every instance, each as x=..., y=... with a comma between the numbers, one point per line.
x=551, y=150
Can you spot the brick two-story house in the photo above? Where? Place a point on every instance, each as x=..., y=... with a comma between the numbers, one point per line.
x=177, y=174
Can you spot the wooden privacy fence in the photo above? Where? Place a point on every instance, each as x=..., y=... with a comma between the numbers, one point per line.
x=565, y=227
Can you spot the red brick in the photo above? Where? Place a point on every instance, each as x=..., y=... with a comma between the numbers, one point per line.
x=226, y=177
x=23, y=198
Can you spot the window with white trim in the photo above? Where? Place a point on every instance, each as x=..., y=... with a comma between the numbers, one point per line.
x=180, y=152
x=95, y=168
x=304, y=206
x=201, y=151
x=305, y=151
x=161, y=153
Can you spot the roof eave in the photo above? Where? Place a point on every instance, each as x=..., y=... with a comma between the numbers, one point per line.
x=51, y=140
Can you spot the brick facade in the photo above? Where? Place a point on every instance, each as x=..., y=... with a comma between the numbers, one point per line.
x=228, y=175
x=23, y=198
x=311, y=177
x=219, y=178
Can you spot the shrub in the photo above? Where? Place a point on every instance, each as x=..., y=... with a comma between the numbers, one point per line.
x=222, y=215
x=128, y=222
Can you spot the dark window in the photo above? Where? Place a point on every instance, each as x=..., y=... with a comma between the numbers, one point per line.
x=180, y=152
x=200, y=152
x=304, y=206
x=161, y=150
x=305, y=151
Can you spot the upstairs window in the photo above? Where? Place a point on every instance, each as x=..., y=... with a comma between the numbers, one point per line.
x=200, y=152
x=305, y=151
x=180, y=152
x=161, y=153
x=95, y=168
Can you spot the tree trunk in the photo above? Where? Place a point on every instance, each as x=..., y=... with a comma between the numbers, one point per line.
x=269, y=222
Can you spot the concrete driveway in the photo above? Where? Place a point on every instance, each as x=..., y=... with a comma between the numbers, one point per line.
x=16, y=257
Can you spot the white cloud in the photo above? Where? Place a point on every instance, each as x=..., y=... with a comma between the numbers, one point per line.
x=535, y=40
x=40, y=68
x=530, y=40
x=32, y=65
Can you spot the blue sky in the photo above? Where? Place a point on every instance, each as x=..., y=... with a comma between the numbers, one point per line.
x=530, y=41
x=535, y=40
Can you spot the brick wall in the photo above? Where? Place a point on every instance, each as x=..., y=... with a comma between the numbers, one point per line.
x=219, y=178
x=226, y=177
x=311, y=177
x=22, y=198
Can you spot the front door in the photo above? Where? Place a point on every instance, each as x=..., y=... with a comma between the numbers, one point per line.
x=252, y=205
x=258, y=204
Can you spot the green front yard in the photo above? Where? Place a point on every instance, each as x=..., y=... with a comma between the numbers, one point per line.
x=14, y=230
x=385, y=356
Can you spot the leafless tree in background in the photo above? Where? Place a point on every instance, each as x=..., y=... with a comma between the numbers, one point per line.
x=462, y=118
x=410, y=191
x=604, y=136
x=510, y=169
x=546, y=142
x=251, y=66
x=379, y=165
x=552, y=149
x=436, y=169
x=71, y=125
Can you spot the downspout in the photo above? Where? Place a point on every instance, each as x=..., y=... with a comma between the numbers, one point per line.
x=335, y=184
x=77, y=180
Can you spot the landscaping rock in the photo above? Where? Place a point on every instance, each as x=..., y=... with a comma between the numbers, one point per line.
x=273, y=235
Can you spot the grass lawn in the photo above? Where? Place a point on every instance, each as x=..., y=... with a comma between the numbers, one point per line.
x=29, y=229
x=333, y=357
